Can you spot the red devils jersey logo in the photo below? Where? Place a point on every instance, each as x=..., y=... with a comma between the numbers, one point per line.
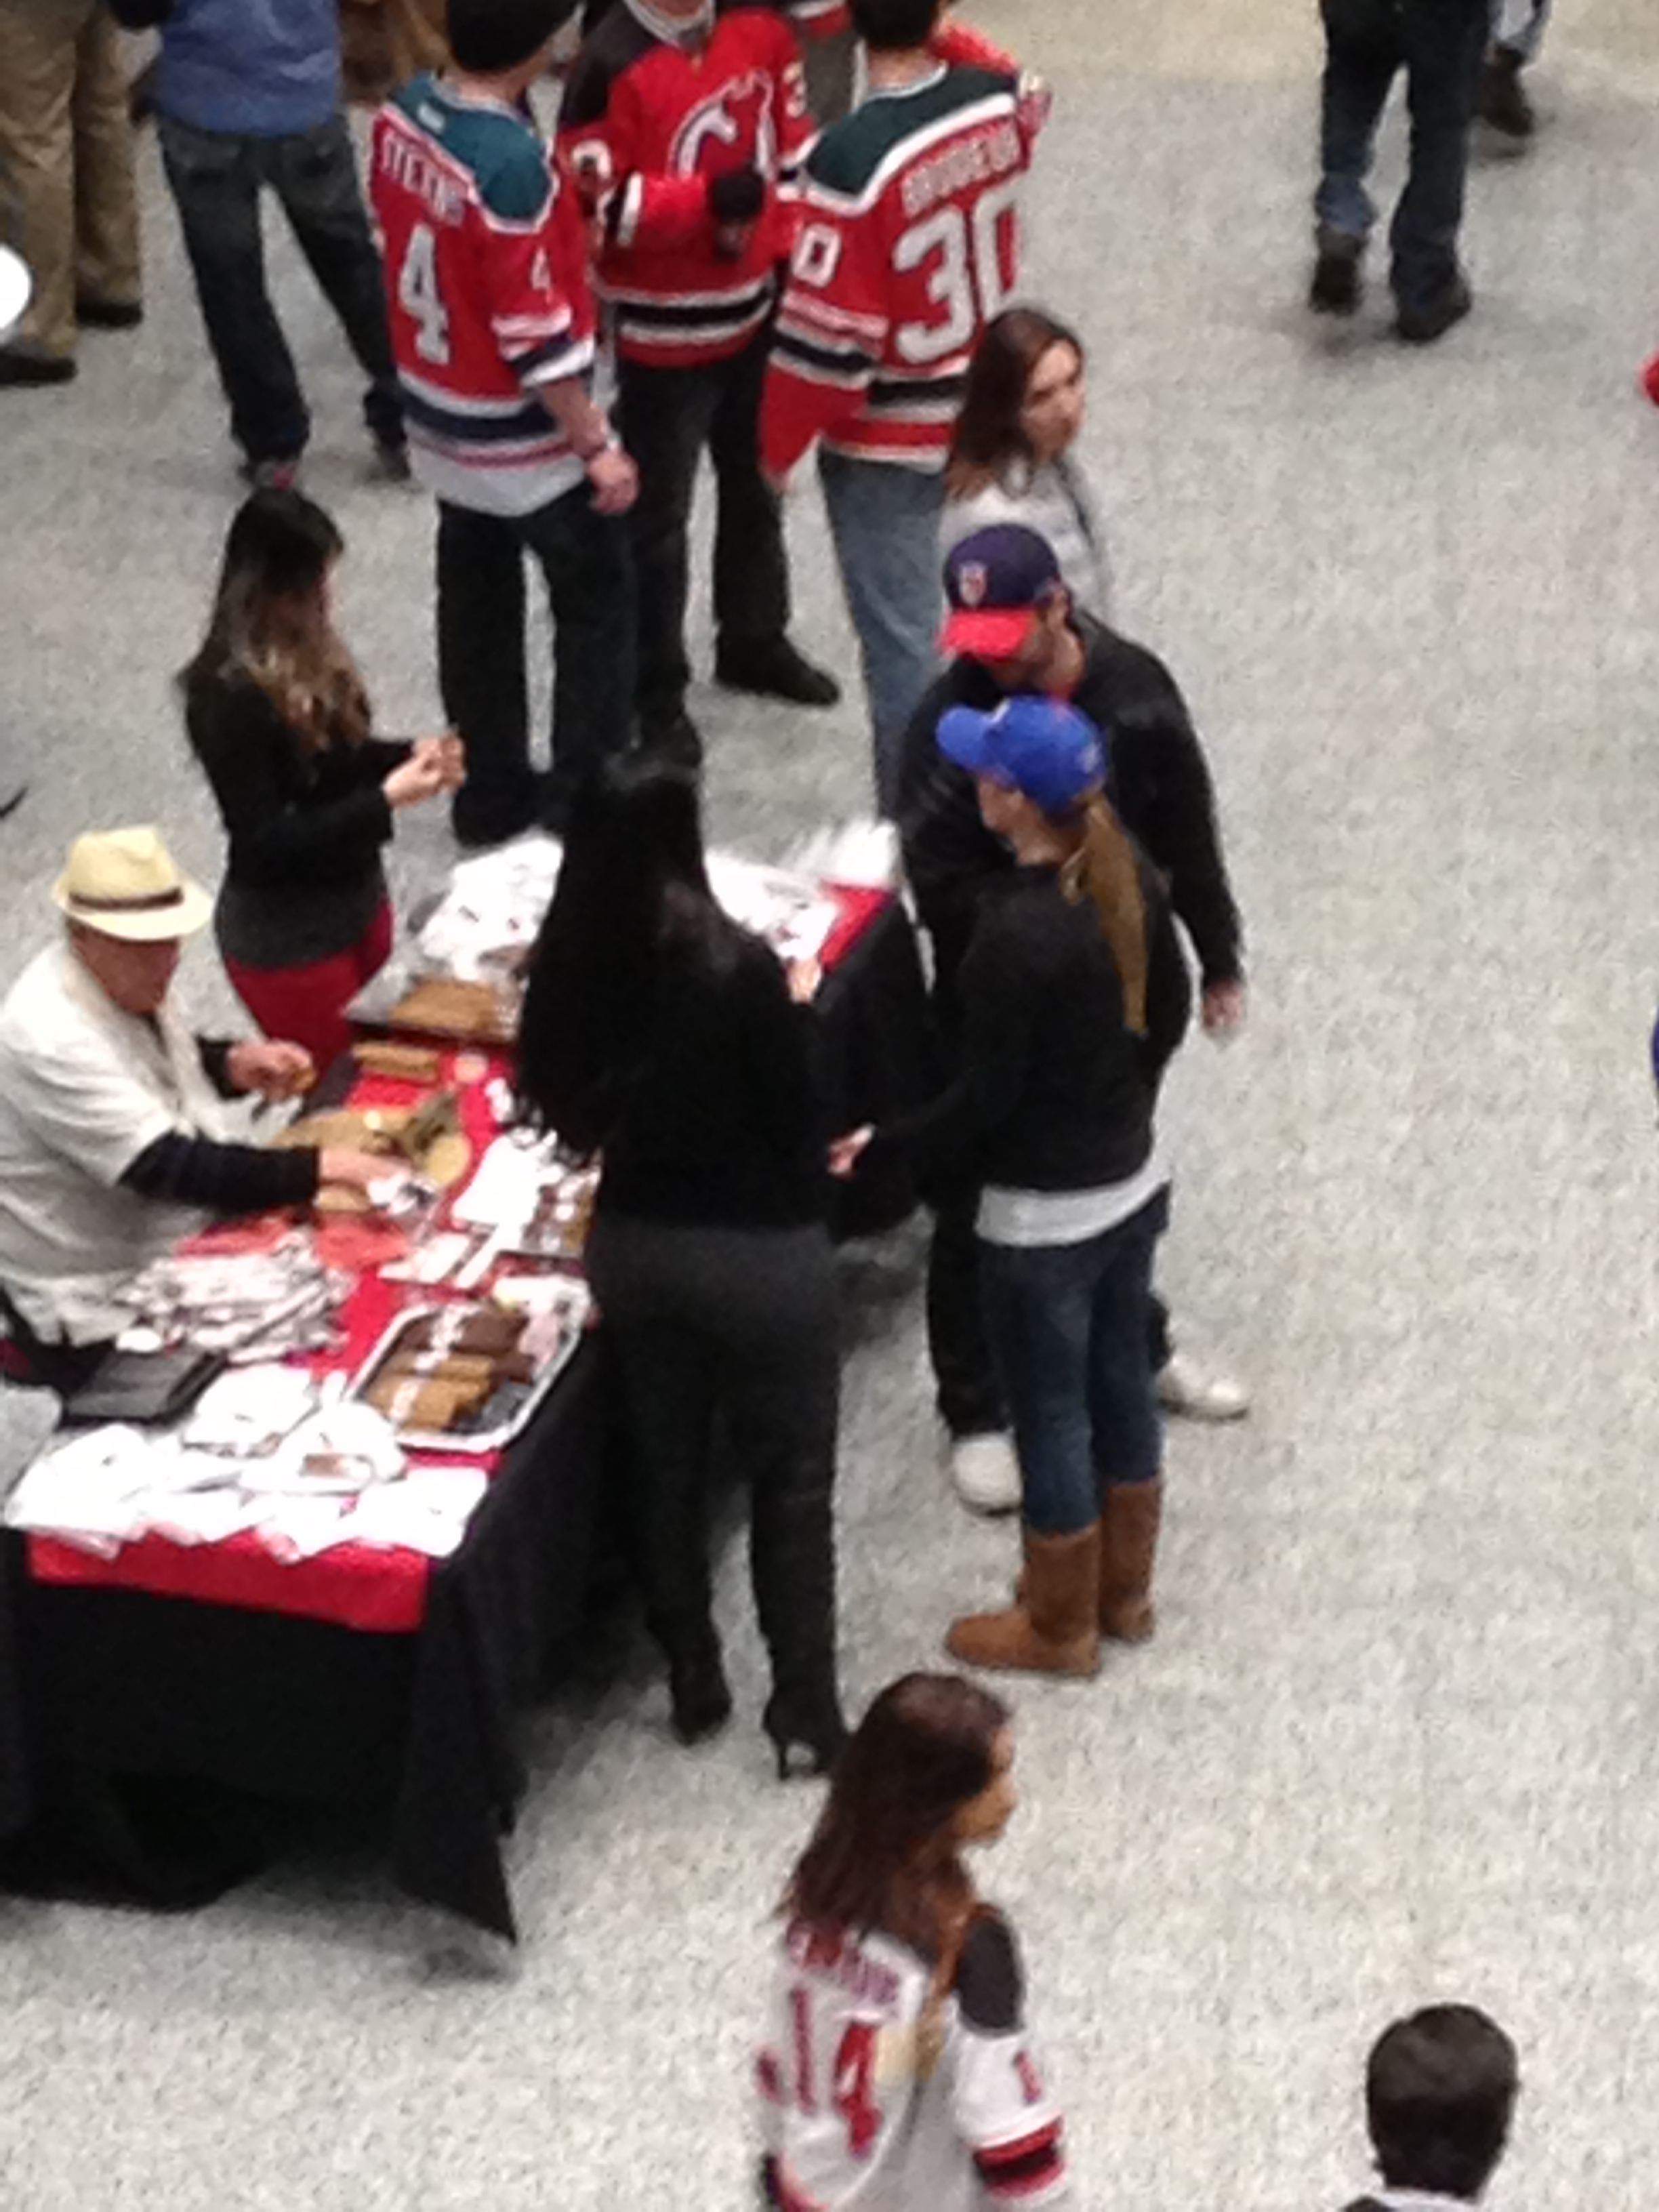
x=731, y=129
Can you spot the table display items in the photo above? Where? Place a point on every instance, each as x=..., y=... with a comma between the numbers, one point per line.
x=468, y=1378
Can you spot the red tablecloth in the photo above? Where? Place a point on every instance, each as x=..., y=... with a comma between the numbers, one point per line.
x=355, y=1585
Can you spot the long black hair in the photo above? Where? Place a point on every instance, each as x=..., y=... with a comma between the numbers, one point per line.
x=280, y=548
x=632, y=903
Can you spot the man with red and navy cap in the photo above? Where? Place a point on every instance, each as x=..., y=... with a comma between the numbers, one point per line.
x=1012, y=628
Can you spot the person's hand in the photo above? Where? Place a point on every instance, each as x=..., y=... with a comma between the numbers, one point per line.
x=452, y=754
x=1221, y=1009
x=846, y=1151
x=804, y=977
x=337, y=1164
x=273, y=1071
x=615, y=479
x=419, y=778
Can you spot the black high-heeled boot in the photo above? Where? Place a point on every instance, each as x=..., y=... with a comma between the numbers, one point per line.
x=701, y=1697
x=807, y=1734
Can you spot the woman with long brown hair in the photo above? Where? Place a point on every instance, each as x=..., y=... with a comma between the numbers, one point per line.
x=1074, y=994
x=279, y=718
x=896, y=2072
x=1013, y=455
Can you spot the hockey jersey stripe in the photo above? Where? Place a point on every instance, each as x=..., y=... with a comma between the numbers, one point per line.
x=488, y=434
x=691, y=306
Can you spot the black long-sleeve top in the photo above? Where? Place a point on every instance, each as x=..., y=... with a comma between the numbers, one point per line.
x=1053, y=1090
x=1159, y=783
x=720, y=1126
x=307, y=825
x=222, y=1177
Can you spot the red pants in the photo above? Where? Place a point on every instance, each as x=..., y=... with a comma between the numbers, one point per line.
x=307, y=1005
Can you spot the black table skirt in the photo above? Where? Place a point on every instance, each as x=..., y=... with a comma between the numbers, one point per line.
x=128, y=1720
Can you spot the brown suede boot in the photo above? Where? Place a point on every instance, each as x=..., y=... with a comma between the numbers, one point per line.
x=1128, y=1543
x=1051, y=1630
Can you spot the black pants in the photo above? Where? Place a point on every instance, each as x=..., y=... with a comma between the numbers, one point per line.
x=1439, y=43
x=218, y=178
x=667, y=416
x=736, y=1327
x=481, y=654
x=971, y=1402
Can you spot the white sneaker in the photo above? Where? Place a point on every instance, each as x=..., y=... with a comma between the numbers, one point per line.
x=986, y=1473
x=1201, y=1394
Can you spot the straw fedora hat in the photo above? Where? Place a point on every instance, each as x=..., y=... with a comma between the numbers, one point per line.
x=122, y=883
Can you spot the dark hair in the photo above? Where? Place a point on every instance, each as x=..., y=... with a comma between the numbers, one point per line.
x=883, y=1855
x=632, y=900
x=895, y=25
x=489, y=36
x=280, y=548
x=988, y=435
x=1439, y=2092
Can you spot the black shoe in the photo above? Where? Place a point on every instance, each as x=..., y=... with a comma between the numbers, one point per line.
x=109, y=314
x=1422, y=326
x=772, y=668
x=1502, y=100
x=1337, y=286
x=702, y=1700
x=18, y=367
x=673, y=738
x=391, y=462
x=808, y=1736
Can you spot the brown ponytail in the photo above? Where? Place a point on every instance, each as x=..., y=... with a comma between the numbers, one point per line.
x=1105, y=869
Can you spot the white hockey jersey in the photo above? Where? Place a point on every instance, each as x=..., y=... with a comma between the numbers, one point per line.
x=853, y=2119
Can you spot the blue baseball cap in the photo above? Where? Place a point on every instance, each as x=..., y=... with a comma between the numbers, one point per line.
x=995, y=580
x=1034, y=744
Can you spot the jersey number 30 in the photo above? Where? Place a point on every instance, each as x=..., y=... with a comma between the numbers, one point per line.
x=966, y=282
x=419, y=293
x=851, y=2078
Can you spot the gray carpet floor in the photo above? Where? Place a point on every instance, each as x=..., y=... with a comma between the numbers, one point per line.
x=1397, y=1738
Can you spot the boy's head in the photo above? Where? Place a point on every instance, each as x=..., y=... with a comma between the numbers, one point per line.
x=1439, y=2092
x=896, y=26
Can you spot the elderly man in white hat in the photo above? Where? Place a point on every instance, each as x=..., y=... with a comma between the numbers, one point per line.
x=114, y=1138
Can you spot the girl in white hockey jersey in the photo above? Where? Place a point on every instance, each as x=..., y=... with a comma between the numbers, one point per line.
x=897, y=2075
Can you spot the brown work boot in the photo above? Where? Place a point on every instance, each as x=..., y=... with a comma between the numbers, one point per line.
x=1128, y=1544
x=1051, y=1628
x=1502, y=100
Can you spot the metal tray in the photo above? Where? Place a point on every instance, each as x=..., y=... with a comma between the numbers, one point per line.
x=475, y=1443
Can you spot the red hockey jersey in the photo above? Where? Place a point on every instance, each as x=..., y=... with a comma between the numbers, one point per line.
x=647, y=122
x=485, y=255
x=907, y=246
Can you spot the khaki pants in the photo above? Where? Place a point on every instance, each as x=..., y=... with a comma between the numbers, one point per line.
x=67, y=195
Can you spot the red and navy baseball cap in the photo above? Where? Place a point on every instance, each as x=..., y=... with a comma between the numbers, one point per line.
x=996, y=581
x=1032, y=743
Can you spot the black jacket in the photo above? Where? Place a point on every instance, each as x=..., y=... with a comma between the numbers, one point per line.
x=1053, y=1090
x=1160, y=785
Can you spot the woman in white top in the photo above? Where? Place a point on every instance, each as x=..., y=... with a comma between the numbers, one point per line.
x=897, y=2073
x=1012, y=458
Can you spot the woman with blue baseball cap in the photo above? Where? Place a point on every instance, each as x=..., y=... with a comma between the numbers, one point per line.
x=1073, y=995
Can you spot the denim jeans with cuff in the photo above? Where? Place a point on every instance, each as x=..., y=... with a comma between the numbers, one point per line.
x=1069, y=1323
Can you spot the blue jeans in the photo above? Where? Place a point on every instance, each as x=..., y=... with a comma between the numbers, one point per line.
x=217, y=177
x=1068, y=1324
x=1439, y=43
x=1519, y=25
x=885, y=521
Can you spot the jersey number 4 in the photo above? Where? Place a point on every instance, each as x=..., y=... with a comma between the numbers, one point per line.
x=418, y=295
x=851, y=2078
x=966, y=281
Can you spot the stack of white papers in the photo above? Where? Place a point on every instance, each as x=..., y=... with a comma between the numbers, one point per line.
x=247, y=1413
